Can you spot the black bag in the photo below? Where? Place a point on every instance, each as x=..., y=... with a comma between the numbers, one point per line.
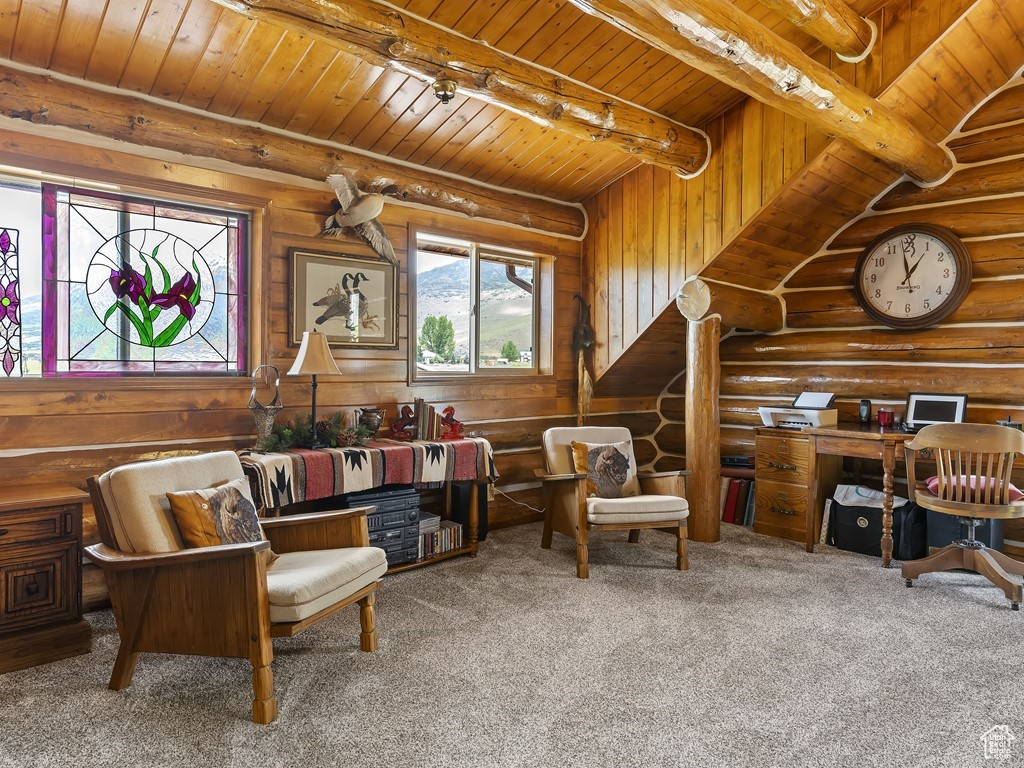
x=859, y=529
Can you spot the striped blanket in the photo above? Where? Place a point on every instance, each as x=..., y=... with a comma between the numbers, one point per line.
x=300, y=474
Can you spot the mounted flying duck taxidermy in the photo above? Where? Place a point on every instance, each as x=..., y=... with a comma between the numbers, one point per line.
x=358, y=211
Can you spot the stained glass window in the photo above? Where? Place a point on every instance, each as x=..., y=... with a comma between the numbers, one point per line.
x=10, y=304
x=134, y=286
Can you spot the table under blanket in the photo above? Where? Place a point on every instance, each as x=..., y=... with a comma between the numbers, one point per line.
x=300, y=474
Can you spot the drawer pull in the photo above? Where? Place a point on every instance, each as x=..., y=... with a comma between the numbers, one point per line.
x=784, y=511
x=3, y=531
x=787, y=467
x=32, y=589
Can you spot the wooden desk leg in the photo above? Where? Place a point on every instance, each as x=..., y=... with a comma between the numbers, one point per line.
x=888, y=466
x=474, y=517
x=813, y=484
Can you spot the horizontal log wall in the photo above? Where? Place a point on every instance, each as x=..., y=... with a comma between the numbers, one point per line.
x=830, y=344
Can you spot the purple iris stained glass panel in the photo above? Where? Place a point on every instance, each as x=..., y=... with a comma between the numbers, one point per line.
x=146, y=287
x=10, y=302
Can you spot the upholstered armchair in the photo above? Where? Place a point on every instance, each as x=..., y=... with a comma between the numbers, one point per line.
x=569, y=509
x=226, y=599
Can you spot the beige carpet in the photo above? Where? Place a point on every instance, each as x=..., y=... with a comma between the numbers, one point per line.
x=761, y=655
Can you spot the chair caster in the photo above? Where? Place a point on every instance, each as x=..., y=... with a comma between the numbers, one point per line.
x=1014, y=606
x=910, y=583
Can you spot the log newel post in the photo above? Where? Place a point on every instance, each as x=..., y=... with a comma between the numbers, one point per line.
x=703, y=374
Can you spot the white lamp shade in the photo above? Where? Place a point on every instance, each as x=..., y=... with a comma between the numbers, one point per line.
x=314, y=356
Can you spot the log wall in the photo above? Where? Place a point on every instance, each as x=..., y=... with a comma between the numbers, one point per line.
x=830, y=344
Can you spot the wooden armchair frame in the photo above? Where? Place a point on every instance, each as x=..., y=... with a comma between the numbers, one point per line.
x=565, y=511
x=163, y=602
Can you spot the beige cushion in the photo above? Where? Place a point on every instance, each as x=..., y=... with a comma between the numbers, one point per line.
x=638, y=509
x=136, y=496
x=557, y=443
x=302, y=584
x=610, y=468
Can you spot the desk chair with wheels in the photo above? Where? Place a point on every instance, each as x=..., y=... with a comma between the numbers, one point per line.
x=973, y=465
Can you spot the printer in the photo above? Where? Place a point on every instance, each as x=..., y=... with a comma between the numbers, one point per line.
x=810, y=409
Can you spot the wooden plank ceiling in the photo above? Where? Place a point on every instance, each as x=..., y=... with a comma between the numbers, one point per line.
x=205, y=56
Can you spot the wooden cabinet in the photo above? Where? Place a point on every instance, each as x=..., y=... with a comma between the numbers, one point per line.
x=780, y=489
x=41, y=575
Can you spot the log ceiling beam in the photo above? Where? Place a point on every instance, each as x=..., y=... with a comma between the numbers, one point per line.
x=831, y=22
x=389, y=37
x=739, y=307
x=45, y=100
x=717, y=38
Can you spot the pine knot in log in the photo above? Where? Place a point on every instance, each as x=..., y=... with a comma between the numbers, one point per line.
x=261, y=152
x=557, y=111
x=394, y=46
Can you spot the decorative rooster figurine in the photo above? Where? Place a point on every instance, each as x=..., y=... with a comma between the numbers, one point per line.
x=358, y=211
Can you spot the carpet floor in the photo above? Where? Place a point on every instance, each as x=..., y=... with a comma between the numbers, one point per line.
x=760, y=655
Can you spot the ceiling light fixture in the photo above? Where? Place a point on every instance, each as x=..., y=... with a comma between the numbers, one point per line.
x=445, y=89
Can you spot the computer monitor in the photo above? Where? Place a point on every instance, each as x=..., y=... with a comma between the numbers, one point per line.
x=924, y=408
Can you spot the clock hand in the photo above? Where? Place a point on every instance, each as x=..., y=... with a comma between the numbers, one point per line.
x=906, y=264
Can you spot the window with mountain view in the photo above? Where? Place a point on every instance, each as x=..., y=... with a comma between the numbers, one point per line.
x=476, y=308
x=104, y=284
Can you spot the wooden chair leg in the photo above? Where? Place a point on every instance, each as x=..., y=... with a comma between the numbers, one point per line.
x=682, y=561
x=124, y=667
x=582, y=567
x=634, y=535
x=545, y=538
x=1006, y=562
x=945, y=559
x=368, y=623
x=986, y=565
x=264, y=704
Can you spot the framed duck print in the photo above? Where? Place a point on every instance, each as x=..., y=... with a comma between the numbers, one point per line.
x=352, y=299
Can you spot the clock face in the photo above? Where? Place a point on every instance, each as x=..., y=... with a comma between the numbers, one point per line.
x=912, y=277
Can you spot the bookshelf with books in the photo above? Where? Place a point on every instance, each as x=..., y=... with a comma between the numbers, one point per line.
x=737, y=492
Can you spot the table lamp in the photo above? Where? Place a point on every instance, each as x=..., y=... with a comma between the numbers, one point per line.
x=314, y=359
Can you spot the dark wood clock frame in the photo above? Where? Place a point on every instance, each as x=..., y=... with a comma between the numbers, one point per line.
x=964, y=273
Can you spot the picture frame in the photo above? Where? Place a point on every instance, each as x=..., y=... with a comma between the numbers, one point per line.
x=924, y=408
x=352, y=299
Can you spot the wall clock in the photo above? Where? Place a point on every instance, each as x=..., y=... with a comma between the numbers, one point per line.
x=913, y=276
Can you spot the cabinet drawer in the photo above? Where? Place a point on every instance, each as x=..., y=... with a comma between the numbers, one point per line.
x=780, y=507
x=38, y=586
x=783, y=459
x=36, y=524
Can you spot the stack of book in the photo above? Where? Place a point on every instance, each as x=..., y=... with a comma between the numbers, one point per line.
x=438, y=536
x=737, y=500
x=428, y=420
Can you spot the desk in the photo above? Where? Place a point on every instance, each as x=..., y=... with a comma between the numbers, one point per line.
x=297, y=475
x=861, y=441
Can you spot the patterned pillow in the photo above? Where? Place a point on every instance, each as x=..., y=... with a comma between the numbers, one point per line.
x=222, y=515
x=610, y=468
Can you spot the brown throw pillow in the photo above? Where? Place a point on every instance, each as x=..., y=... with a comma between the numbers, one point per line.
x=222, y=515
x=610, y=468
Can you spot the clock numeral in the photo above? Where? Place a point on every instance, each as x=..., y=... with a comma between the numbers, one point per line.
x=927, y=245
x=879, y=261
x=891, y=249
x=942, y=257
x=873, y=277
x=927, y=304
x=945, y=273
x=938, y=291
x=878, y=293
x=906, y=309
x=888, y=306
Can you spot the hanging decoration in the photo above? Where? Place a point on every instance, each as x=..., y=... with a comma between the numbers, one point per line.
x=10, y=302
x=582, y=340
